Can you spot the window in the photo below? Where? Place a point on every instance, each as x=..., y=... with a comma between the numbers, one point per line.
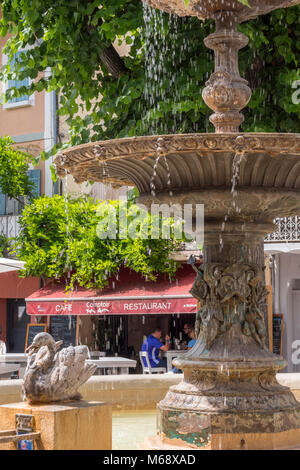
x=2, y=203
x=11, y=206
x=19, y=101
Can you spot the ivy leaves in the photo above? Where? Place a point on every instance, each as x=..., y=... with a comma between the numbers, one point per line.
x=274, y=69
x=5, y=246
x=71, y=38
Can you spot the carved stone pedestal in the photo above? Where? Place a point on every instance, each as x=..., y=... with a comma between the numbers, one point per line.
x=79, y=425
x=229, y=397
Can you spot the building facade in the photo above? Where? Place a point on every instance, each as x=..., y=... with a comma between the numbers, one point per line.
x=31, y=123
x=283, y=246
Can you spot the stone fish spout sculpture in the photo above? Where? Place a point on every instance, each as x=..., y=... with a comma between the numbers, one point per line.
x=53, y=375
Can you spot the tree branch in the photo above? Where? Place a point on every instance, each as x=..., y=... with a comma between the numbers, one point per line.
x=113, y=62
x=110, y=57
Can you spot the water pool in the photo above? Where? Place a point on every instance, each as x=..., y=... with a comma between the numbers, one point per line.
x=129, y=428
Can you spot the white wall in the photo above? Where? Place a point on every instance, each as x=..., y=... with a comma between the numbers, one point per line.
x=289, y=270
x=49, y=135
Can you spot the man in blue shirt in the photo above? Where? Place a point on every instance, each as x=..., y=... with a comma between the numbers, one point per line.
x=153, y=345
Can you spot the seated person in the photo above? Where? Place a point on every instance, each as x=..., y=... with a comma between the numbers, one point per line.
x=187, y=328
x=190, y=345
x=193, y=339
x=153, y=345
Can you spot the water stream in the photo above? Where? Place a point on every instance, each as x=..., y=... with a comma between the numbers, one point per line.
x=236, y=164
x=160, y=34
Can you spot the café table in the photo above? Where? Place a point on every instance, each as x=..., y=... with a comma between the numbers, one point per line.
x=171, y=354
x=115, y=363
x=96, y=354
x=7, y=369
x=16, y=358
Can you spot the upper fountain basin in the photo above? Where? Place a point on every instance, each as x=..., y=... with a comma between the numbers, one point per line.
x=205, y=9
x=200, y=170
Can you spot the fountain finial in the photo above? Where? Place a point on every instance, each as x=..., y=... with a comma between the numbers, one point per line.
x=226, y=92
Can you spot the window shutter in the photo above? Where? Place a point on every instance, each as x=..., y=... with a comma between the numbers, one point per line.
x=2, y=203
x=17, y=83
x=35, y=177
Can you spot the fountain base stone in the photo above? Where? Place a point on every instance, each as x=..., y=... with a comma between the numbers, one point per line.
x=286, y=440
x=240, y=410
x=229, y=400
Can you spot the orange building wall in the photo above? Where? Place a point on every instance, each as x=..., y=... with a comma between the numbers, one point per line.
x=22, y=120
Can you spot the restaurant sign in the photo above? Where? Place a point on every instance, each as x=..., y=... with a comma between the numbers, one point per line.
x=112, y=307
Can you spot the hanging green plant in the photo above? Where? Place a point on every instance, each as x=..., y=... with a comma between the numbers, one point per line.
x=14, y=166
x=84, y=243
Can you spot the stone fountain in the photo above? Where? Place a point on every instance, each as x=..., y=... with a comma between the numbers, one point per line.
x=229, y=397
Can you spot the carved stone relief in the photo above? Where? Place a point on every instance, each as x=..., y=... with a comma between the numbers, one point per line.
x=230, y=294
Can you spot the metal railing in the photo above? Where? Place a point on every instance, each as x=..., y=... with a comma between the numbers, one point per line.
x=9, y=225
x=288, y=231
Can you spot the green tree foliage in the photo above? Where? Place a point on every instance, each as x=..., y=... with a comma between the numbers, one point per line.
x=75, y=39
x=59, y=239
x=5, y=246
x=14, y=166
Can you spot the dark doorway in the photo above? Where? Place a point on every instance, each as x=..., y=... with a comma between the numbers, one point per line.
x=113, y=335
x=17, y=321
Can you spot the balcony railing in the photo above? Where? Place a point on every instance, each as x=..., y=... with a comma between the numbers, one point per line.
x=9, y=225
x=288, y=231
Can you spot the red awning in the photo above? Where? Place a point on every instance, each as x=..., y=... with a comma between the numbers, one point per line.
x=127, y=294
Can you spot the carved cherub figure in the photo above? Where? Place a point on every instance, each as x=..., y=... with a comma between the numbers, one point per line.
x=254, y=325
x=208, y=322
x=199, y=289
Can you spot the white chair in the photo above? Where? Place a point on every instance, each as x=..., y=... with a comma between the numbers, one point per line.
x=148, y=369
x=2, y=347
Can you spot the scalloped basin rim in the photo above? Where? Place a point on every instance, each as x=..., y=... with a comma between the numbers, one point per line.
x=205, y=9
x=197, y=162
x=237, y=140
